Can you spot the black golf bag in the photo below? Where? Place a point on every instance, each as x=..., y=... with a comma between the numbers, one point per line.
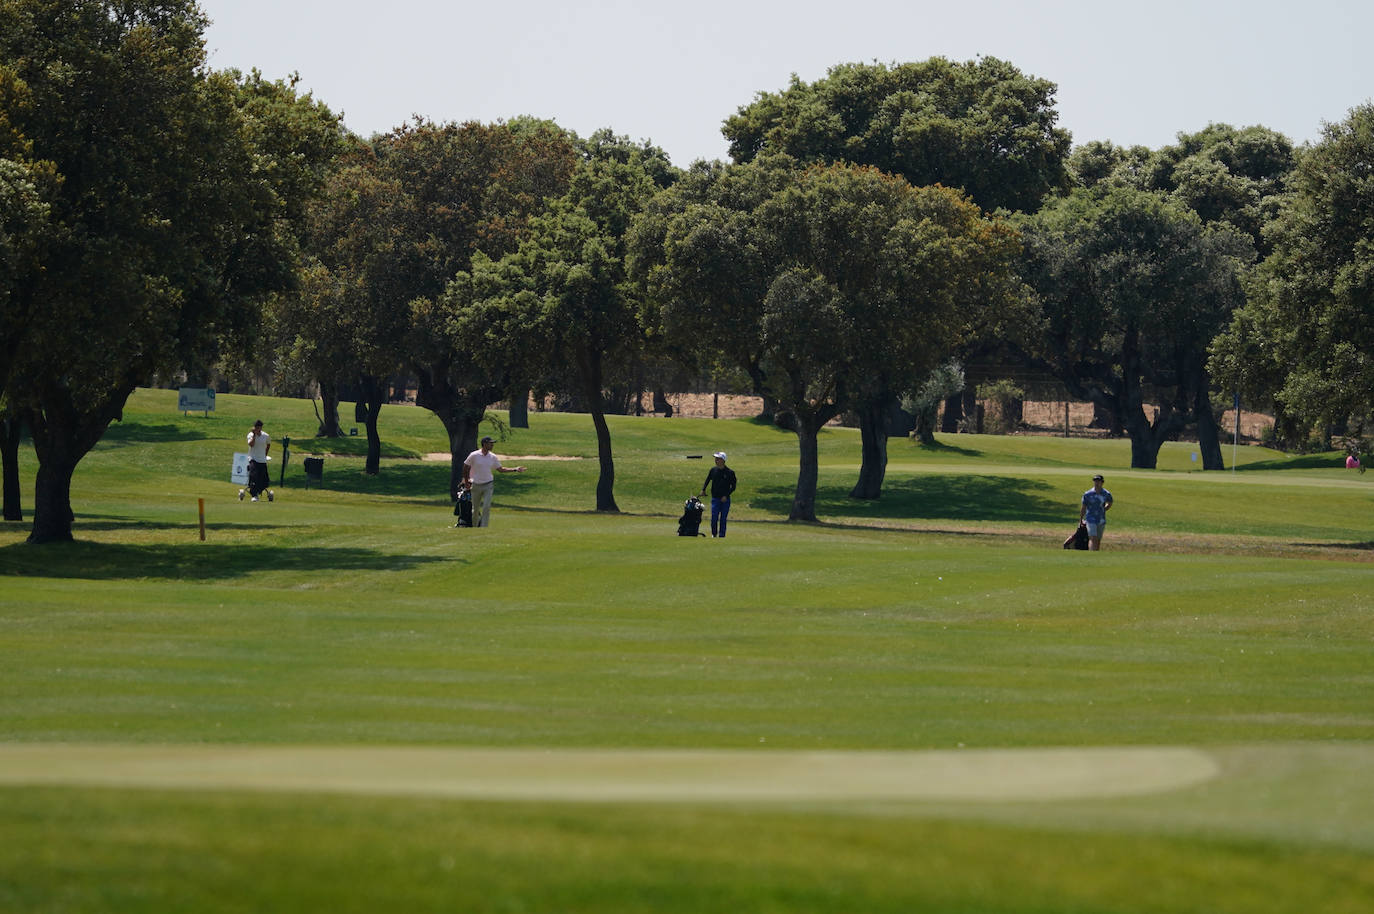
x=463, y=509
x=690, y=522
x=1078, y=539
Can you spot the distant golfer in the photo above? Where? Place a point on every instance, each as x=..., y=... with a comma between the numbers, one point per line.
x=1097, y=501
x=721, y=479
x=259, y=443
x=479, y=477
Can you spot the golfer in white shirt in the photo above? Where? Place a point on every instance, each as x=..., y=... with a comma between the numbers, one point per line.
x=479, y=476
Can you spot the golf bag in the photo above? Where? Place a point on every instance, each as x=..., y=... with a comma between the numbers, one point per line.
x=690, y=522
x=1078, y=539
x=463, y=509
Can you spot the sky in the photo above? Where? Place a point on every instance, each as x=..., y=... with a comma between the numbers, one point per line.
x=671, y=73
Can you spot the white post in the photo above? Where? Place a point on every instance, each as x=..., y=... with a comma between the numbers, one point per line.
x=1235, y=438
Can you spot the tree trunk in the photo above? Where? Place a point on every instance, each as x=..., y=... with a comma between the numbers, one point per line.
x=62, y=435
x=1016, y=414
x=460, y=411
x=925, y=424
x=1146, y=437
x=661, y=404
x=462, y=422
x=519, y=413
x=873, y=421
x=769, y=411
x=589, y=369
x=373, y=391
x=808, y=471
x=1105, y=417
x=52, y=500
x=1144, y=451
x=11, y=428
x=605, y=483
x=329, y=402
x=1208, y=435
x=954, y=413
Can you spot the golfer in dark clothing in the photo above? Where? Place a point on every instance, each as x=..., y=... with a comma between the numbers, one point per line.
x=721, y=479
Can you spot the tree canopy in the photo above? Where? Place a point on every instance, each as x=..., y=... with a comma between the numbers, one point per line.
x=981, y=126
x=1235, y=176
x=1306, y=335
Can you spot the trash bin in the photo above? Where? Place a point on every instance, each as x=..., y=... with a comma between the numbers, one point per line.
x=314, y=469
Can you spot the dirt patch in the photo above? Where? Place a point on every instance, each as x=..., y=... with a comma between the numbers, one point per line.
x=1038, y=417
x=712, y=406
x=1050, y=417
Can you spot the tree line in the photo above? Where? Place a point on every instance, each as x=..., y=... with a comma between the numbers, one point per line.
x=158, y=217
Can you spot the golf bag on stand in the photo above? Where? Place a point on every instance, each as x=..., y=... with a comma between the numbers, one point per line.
x=1078, y=539
x=463, y=508
x=690, y=522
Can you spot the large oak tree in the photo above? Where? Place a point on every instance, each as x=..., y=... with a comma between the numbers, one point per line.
x=420, y=205
x=1132, y=287
x=832, y=285
x=981, y=126
x=564, y=302
x=172, y=213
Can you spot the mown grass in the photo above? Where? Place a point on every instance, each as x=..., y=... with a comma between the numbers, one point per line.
x=1230, y=611
x=226, y=853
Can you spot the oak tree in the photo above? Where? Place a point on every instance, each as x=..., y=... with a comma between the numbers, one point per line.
x=1132, y=287
x=836, y=287
x=1306, y=335
x=565, y=299
x=459, y=191
x=172, y=212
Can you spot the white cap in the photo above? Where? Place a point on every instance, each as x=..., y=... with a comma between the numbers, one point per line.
x=720, y=454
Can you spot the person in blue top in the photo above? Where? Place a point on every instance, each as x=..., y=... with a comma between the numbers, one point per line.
x=1093, y=512
x=721, y=479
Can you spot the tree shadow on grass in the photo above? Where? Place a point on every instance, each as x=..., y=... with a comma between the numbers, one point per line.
x=940, y=449
x=933, y=497
x=121, y=434
x=192, y=562
x=420, y=482
x=1360, y=547
x=1328, y=461
x=347, y=446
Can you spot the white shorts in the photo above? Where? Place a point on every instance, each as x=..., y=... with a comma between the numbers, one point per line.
x=1095, y=530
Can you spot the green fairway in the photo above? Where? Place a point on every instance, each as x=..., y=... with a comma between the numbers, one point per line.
x=339, y=701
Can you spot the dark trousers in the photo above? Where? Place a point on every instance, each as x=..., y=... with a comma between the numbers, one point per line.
x=258, y=480
x=720, y=510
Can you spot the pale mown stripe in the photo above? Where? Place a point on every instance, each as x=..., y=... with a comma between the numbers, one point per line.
x=617, y=775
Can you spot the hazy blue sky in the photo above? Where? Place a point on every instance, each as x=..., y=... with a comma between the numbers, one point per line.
x=1127, y=72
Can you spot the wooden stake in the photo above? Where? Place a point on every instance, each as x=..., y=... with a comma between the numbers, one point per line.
x=202, y=518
